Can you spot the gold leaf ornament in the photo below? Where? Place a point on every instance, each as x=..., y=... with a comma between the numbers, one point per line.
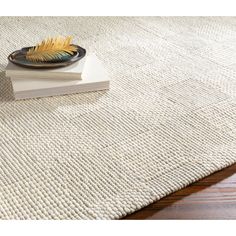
x=51, y=49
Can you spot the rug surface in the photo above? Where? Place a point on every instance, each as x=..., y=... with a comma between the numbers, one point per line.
x=168, y=120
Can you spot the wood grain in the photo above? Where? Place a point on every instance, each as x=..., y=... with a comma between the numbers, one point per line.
x=213, y=197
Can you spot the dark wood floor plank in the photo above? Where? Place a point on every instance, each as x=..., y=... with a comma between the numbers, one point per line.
x=213, y=197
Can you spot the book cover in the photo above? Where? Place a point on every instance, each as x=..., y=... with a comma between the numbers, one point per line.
x=73, y=71
x=94, y=77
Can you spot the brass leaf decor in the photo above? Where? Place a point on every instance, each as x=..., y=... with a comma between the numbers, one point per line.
x=51, y=49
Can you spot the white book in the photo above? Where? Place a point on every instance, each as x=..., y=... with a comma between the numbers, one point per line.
x=73, y=71
x=94, y=77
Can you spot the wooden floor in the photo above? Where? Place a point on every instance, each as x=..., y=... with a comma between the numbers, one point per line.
x=213, y=197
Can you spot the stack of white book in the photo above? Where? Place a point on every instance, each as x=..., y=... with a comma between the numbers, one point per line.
x=85, y=75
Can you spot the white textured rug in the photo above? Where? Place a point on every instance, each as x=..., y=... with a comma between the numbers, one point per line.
x=168, y=120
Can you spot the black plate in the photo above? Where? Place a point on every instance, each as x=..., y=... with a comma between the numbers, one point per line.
x=18, y=58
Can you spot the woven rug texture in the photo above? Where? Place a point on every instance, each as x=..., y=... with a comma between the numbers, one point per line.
x=168, y=120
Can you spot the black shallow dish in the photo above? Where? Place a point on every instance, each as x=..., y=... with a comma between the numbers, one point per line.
x=18, y=58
